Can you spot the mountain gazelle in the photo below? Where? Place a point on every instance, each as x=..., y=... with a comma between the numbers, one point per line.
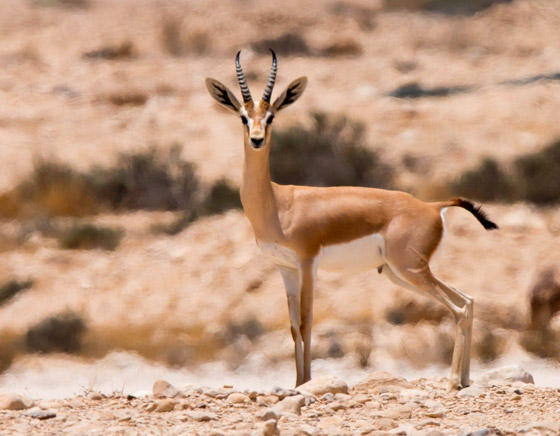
x=303, y=229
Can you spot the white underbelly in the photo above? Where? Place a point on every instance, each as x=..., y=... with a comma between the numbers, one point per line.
x=355, y=256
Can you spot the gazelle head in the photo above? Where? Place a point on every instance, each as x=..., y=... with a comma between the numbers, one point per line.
x=256, y=116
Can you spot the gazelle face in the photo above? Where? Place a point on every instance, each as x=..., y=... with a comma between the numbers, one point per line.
x=256, y=117
x=257, y=123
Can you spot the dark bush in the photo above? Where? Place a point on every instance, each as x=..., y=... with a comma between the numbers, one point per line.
x=534, y=178
x=450, y=7
x=89, y=236
x=222, y=197
x=61, y=333
x=488, y=182
x=11, y=288
x=287, y=44
x=331, y=152
x=148, y=180
x=538, y=175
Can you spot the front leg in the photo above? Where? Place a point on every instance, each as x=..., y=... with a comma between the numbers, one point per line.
x=292, y=284
x=307, y=272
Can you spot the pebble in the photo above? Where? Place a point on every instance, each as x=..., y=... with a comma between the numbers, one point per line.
x=238, y=398
x=96, y=396
x=505, y=375
x=324, y=385
x=37, y=413
x=163, y=389
x=270, y=428
x=289, y=405
x=166, y=405
x=471, y=391
x=266, y=415
x=15, y=402
x=399, y=412
x=202, y=416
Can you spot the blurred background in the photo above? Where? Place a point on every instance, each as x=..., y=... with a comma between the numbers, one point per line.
x=124, y=254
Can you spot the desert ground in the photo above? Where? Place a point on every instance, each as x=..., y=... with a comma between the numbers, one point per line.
x=85, y=332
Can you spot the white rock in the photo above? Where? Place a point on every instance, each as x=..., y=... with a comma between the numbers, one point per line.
x=505, y=375
x=471, y=391
x=324, y=385
x=289, y=405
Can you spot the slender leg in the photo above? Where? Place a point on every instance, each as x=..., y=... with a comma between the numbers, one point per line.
x=461, y=306
x=292, y=284
x=307, y=280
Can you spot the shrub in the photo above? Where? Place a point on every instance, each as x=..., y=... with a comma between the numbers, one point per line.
x=148, y=180
x=11, y=288
x=89, y=236
x=60, y=333
x=287, y=44
x=538, y=175
x=331, y=152
x=533, y=178
x=222, y=197
x=488, y=182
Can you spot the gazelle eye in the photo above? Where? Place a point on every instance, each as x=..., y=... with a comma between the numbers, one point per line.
x=244, y=120
x=270, y=119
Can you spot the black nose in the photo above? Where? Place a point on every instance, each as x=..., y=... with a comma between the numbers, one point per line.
x=257, y=142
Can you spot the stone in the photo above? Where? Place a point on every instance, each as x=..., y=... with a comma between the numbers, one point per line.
x=379, y=381
x=144, y=393
x=163, y=389
x=202, y=416
x=471, y=391
x=435, y=414
x=505, y=375
x=385, y=424
x=548, y=426
x=268, y=399
x=289, y=405
x=238, y=398
x=38, y=413
x=398, y=412
x=15, y=402
x=266, y=415
x=96, y=396
x=270, y=428
x=324, y=385
x=282, y=393
x=166, y=405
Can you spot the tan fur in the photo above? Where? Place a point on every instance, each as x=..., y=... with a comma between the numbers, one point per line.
x=300, y=220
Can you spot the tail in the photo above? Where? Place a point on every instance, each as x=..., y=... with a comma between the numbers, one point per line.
x=477, y=211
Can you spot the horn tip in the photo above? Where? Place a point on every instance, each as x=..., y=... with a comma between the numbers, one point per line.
x=237, y=56
x=273, y=55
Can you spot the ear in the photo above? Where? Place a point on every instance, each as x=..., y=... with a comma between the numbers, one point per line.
x=222, y=95
x=291, y=94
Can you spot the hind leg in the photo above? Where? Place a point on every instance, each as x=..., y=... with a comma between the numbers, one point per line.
x=460, y=305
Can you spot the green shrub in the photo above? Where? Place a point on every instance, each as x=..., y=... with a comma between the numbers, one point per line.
x=332, y=152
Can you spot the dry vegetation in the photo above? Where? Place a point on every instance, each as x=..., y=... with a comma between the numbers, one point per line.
x=432, y=97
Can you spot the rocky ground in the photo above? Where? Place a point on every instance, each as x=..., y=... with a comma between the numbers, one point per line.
x=502, y=402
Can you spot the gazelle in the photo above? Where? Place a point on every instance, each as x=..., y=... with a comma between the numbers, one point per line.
x=304, y=228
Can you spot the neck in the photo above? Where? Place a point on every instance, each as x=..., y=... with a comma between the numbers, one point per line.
x=257, y=196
